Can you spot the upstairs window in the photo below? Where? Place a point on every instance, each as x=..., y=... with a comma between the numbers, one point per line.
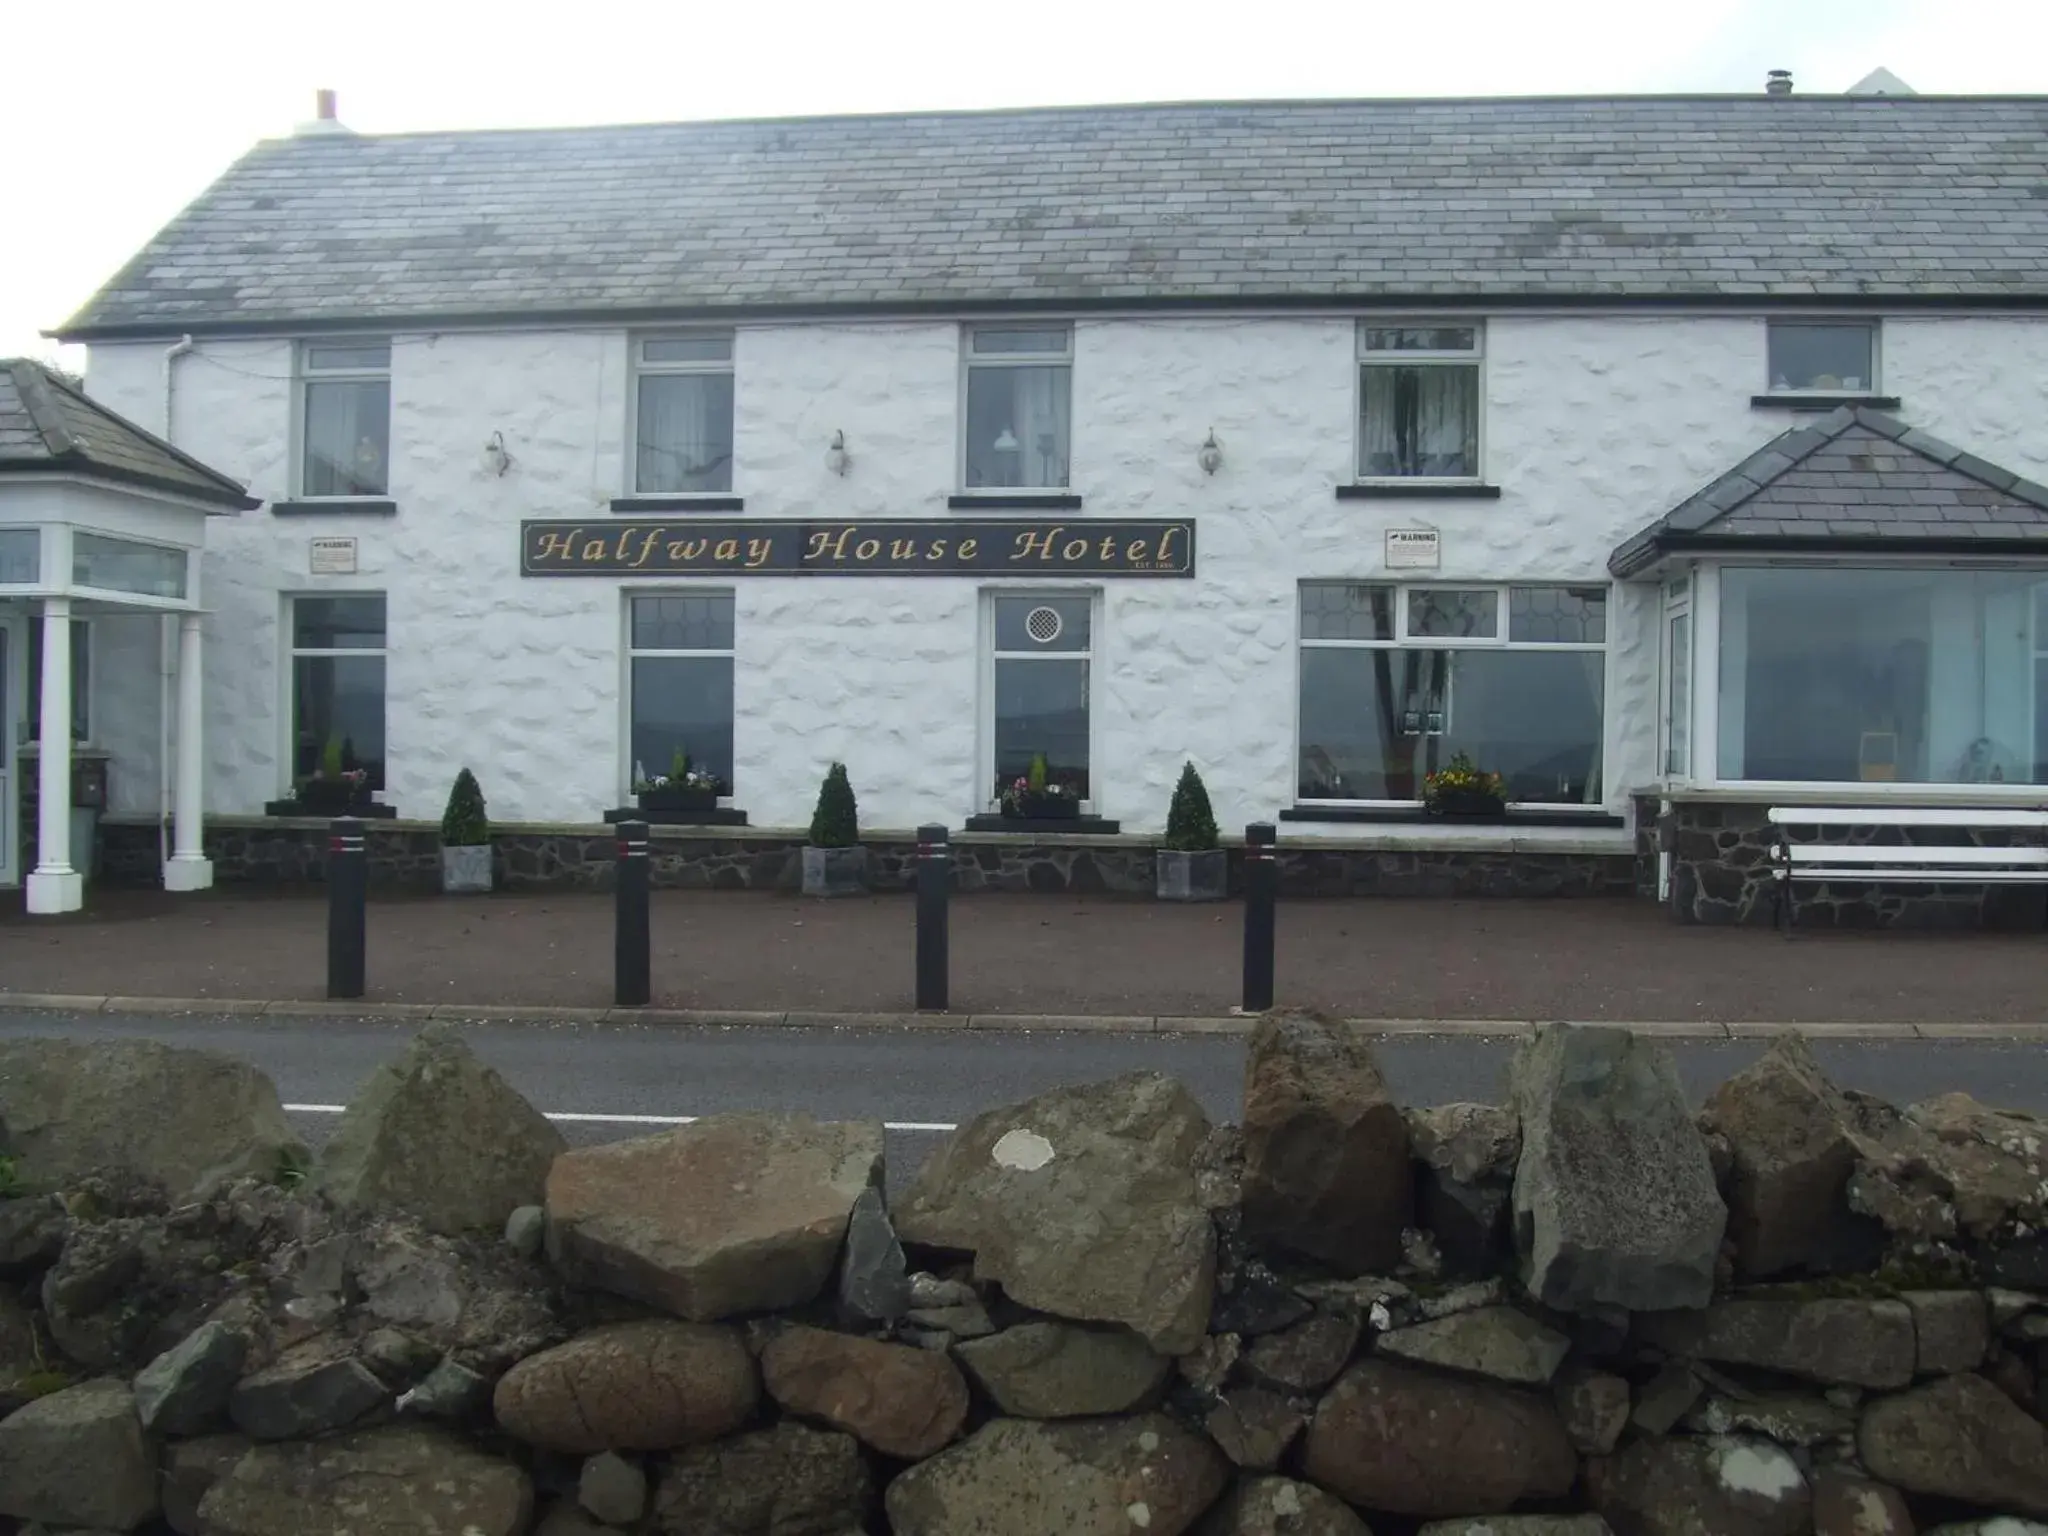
x=1418, y=401
x=345, y=418
x=682, y=414
x=1019, y=394
x=1823, y=358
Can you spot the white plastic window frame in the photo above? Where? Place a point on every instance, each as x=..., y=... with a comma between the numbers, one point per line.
x=638, y=366
x=970, y=360
x=1869, y=323
x=288, y=702
x=984, y=801
x=305, y=373
x=1365, y=358
x=628, y=652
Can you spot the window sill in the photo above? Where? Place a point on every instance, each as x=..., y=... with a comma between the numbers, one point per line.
x=1822, y=402
x=292, y=810
x=346, y=506
x=1044, y=826
x=1420, y=490
x=1416, y=816
x=1014, y=501
x=704, y=503
x=718, y=816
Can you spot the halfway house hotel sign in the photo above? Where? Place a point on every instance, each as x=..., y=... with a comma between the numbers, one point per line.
x=921, y=547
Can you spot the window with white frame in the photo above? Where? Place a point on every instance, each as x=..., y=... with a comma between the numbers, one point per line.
x=1041, y=649
x=21, y=556
x=345, y=418
x=1419, y=400
x=682, y=414
x=1019, y=391
x=679, y=684
x=1396, y=681
x=337, y=705
x=81, y=679
x=1829, y=357
x=1678, y=677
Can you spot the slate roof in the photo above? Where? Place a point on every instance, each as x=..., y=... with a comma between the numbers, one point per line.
x=1720, y=198
x=1855, y=478
x=48, y=427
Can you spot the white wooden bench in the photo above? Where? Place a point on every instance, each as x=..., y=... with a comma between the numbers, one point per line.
x=1899, y=863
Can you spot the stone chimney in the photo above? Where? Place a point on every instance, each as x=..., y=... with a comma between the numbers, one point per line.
x=1778, y=83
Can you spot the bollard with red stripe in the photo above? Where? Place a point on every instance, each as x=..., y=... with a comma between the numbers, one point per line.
x=1261, y=888
x=348, y=889
x=934, y=877
x=632, y=965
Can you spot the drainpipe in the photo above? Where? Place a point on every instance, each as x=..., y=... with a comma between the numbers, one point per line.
x=166, y=647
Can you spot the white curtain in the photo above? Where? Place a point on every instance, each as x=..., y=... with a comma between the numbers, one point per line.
x=1420, y=421
x=1017, y=426
x=348, y=438
x=685, y=439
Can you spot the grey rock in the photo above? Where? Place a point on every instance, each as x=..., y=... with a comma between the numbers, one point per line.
x=1254, y=1427
x=1520, y=1525
x=1952, y=1331
x=440, y=1136
x=1837, y=1341
x=905, y=1402
x=790, y=1480
x=2007, y=1305
x=639, y=1386
x=1614, y=1200
x=1408, y=1441
x=450, y=1391
x=1789, y=1132
x=186, y=1121
x=874, y=1281
x=1498, y=1342
x=968, y=1321
x=1279, y=1506
x=398, y=1359
x=32, y=1230
x=1997, y=1525
x=1469, y=1221
x=1789, y=1418
x=20, y=1352
x=1326, y=1172
x=412, y=1286
x=735, y=1214
x=1466, y=1142
x=1595, y=1407
x=1081, y=1477
x=612, y=1488
x=565, y=1517
x=1308, y=1356
x=1666, y=1398
x=398, y=1480
x=1208, y=1365
x=184, y=1391
x=1847, y=1505
x=190, y=1468
x=1958, y=1437
x=308, y=1391
x=1251, y=1300
x=526, y=1230
x=1081, y=1203
x=78, y=1458
x=1053, y=1370
x=1714, y=1487
x=929, y=1291
x=1451, y=1301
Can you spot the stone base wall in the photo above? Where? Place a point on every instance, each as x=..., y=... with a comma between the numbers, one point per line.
x=405, y=856
x=1721, y=874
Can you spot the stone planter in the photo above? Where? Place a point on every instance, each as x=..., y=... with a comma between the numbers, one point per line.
x=835, y=871
x=466, y=871
x=1203, y=876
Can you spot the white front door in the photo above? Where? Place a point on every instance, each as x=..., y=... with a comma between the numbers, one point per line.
x=10, y=800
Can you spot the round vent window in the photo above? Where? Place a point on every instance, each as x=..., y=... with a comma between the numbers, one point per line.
x=1043, y=625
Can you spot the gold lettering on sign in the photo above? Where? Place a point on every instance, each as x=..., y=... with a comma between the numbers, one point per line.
x=558, y=546
x=677, y=551
x=728, y=549
x=937, y=551
x=593, y=552
x=867, y=549
x=1039, y=544
x=823, y=544
x=1076, y=549
x=648, y=546
x=1108, y=551
x=968, y=549
x=758, y=551
x=693, y=549
x=1135, y=551
x=1166, y=545
x=903, y=549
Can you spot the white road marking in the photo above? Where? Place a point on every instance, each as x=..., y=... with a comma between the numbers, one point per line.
x=929, y=1127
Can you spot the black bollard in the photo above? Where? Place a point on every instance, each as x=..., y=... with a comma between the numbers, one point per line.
x=934, y=877
x=348, y=889
x=632, y=967
x=1261, y=886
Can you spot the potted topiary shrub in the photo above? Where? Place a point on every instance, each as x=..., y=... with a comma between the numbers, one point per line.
x=465, y=839
x=835, y=864
x=1190, y=866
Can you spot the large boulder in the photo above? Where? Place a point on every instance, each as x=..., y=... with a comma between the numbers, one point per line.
x=78, y=1458
x=438, y=1135
x=1789, y=1131
x=1254, y=1427
x=184, y=1391
x=1279, y=1506
x=1500, y=1342
x=874, y=1279
x=641, y=1386
x=1081, y=1202
x=790, y=1480
x=734, y=1214
x=190, y=1469
x=1847, y=1505
x=310, y=1390
x=1080, y=1477
x=1392, y=1437
x=1837, y=1342
x=1959, y=1437
x=1615, y=1204
x=1723, y=1486
x=1951, y=1329
x=400, y=1480
x=1326, y=1171
x=904, y=1401
x=1307, y=1356
x=185, y=1121
x=1951, y=1169
x=1052, y=1370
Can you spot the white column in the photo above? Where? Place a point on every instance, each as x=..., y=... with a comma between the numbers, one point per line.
x=53, y=885
x=189, y=868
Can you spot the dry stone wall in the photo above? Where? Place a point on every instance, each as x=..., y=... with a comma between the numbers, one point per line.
x=1588, y=1311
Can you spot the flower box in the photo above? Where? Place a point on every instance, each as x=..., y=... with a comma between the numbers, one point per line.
x=334, y=797
x=1029, y=807
x=1468, y=805
x=676, y=797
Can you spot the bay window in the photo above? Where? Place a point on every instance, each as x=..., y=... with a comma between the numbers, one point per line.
x=1396, y=681
x=1882, y=675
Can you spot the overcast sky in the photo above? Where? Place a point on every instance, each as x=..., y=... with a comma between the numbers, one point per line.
x=118, y=115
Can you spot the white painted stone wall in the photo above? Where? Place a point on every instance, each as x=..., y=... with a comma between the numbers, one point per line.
x=1594, y=426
